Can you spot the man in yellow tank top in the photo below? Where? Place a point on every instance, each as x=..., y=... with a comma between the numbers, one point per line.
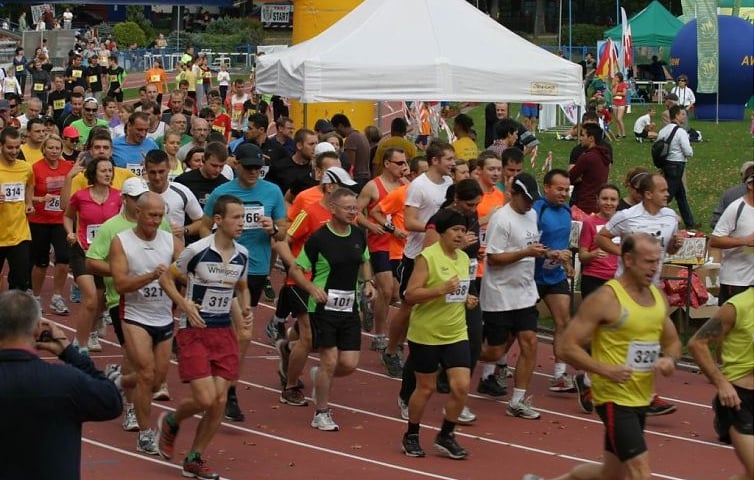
x=732, y=327
x=632, y=338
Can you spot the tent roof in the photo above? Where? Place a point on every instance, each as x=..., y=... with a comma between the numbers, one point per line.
x=419, y=50
x=654, y=26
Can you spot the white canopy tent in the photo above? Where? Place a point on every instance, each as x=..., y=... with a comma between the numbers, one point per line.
x=431, y=50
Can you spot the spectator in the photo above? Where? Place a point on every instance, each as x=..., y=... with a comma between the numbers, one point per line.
x=732, y=193
x=644, y=127
x=590, y=171
x=686, y=97
x=679, y=152
x=356, y=148
x=37, y=396
x=397, y=139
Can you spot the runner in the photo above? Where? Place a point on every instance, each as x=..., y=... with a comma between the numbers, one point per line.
x=437, y=334
x=214, y=269
x=334, y=254
x=17, y=182
x=46, y=223
x=632, y=338
x=732, y=328
x=424, y=197
x=138, y=258
x=264, y=219
x=393, y=166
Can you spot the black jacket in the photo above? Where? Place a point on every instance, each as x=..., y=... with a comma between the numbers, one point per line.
x=42, y=407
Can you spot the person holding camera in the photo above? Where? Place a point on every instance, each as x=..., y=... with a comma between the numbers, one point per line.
x=36, y=396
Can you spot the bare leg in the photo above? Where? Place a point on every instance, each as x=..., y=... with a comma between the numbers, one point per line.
x=459, y=379
x=300, y=350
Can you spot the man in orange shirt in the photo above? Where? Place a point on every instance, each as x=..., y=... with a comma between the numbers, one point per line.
x=157, y=76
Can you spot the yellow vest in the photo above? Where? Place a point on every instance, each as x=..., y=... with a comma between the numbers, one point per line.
x=441, y=321
x=738, y=345
x=633, y=341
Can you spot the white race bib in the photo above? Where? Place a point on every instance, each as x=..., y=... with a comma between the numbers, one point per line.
x=483, y=237
x=136, y=168
x=473, y=267
x=551, y=264
x=252, y=216
x=53, y=204
x=91, y=232
x=152, y=292
x=263, y=171
x=460, y=294
x=216, y=302
x=340, y=300
x=642, y=356
x=14, y=192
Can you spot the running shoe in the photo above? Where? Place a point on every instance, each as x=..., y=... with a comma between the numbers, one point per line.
x=392, y=363
x=162, y=394
x=275, y=331
x=502, y=374
x=323, y=421
x=563, y=383
x=112, y=371
x=147, y=442
x=102, y=325
x=531, y=476
x=379, y=343
x=466, y=417
x=522, y=409
x=197, y=468
x=75, y=296
x=489, y=386
x=403, y=407
x=129, y=420
x=585, y=394
x=411, y=446
x=269, y=292
x=58, y=306
x=166, y=436
x=658, y=407
x=447, y=445
x=232, y=410
x=313, y=376
x=293, y=396
x=93, y=344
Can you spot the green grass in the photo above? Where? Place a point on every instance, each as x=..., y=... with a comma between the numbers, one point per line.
x=714, y=167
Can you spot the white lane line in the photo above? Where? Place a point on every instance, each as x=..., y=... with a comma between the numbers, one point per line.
x=152, y=459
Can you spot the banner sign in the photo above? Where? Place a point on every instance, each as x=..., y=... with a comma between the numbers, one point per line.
x=707, y=46
x=276, y=15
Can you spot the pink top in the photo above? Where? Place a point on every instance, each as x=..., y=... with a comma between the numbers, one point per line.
x=603, y=268
x=91, y=215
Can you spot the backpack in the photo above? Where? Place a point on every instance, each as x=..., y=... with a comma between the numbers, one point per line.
x=695, y=136
x=661, y=148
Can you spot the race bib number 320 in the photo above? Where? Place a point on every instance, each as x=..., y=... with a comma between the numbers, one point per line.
x=642, y=356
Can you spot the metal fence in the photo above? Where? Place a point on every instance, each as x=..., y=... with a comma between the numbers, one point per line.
x=142, y=59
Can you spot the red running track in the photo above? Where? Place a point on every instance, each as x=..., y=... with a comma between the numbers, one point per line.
x=276, y=440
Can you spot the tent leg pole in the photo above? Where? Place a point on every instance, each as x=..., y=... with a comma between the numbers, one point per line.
x=306, y=120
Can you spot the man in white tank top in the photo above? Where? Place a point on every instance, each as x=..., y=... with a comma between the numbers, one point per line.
x=138, y=257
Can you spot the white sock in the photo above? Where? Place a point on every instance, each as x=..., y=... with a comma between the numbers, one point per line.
x=488, y=369
x=503, y=361
x=560, y=369
x=518, y=395
x=587, y=380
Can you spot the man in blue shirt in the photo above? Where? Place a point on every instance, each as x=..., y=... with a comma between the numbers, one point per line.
x=554, y=220
x=264, y=220
x=129, y=150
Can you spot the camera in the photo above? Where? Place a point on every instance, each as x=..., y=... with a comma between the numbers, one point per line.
x=45, y=336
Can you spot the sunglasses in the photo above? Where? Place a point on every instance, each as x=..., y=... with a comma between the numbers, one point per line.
x=402, y=163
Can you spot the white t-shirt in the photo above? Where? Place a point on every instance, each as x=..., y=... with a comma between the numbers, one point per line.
x=159, y=131
x=737, y=266
x=179, y=202
x=641, y=123
x=638, y=220
x=427, y=196
x=510, y=287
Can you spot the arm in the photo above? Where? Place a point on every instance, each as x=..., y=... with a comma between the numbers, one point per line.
x=417, y=292
x=506, y=258
x=167, y=282
x=731, y=242
x=367, y=195
x=411, y=220
x=431, y=236
x=125, y=283
x=605, y=242
x=683, y=142
x=713, y=331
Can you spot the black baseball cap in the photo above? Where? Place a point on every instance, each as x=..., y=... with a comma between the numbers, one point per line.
x=526, y=184
x=249, y=155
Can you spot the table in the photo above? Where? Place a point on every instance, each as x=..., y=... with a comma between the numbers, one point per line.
x=654, y=87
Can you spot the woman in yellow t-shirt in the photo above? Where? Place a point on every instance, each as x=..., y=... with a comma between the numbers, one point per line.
x=437, y=335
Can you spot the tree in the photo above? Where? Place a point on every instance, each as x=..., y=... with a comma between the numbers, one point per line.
x=129, y=33
x=539, y=18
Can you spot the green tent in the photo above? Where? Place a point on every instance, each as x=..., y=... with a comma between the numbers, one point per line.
x=654, y=26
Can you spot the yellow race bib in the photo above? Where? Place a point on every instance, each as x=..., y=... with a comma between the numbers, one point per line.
x=154, y=79
x=93, y=78
x=39, y=87
x=76, y=73
x=58, y=104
